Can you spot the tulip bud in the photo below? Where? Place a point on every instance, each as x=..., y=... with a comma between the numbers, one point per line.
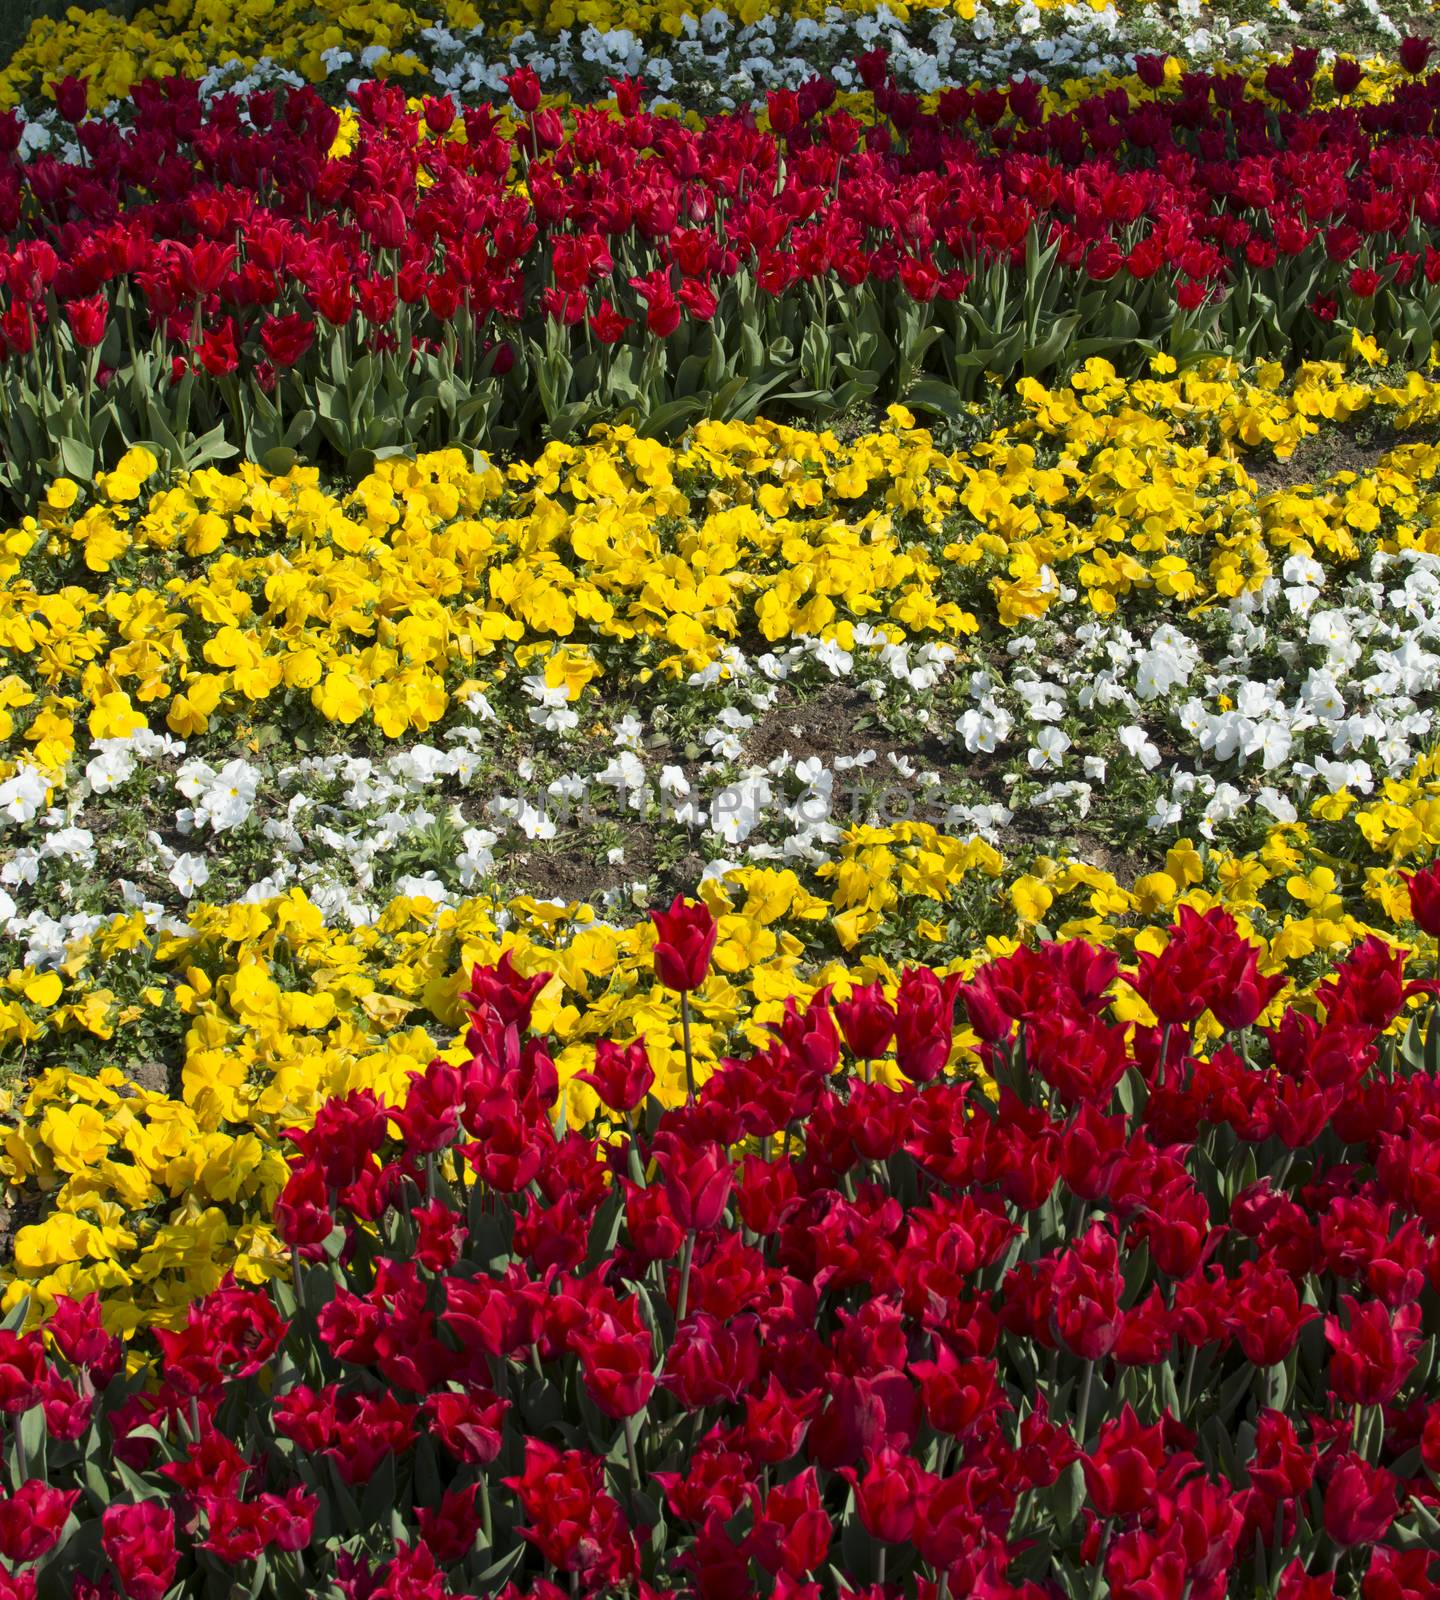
x=87, y=320
x=524, y=87
x=685, y=940
x=72, y=98
x=1414, y=53
x=1424, y=890
x=1346, y=75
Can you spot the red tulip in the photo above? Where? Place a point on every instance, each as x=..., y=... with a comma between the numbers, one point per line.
x=1424, y=887
x=87, y=320
x=139, y=1541
x=698, y=1180
x=524, y=87
x=622, y=1078
x=685, y=939
x=1360, y=1502
x=1414, y=53
x=72, y=98
x=867, y=1020
x=1346, y=75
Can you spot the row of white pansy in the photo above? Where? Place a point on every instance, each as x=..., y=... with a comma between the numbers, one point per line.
x=1326, y=685
x=717, y=62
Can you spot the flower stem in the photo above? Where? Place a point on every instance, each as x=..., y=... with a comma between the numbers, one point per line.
x=1084, y=1416
x=689, y=1057
x=631, y=1451
x=686, y=1258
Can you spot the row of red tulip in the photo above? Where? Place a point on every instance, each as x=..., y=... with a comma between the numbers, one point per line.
x=825, y=1328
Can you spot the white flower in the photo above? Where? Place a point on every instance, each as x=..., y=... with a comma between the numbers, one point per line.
x=477, y=858
x=189, y=874
x=554, y=713
x=984, y=730
x=837, y=661
x=71, y=844
x=1138, y=744
x=1049, y=749
x=1166, y=664
x=1276, y=804
x=110, y=766
x=223, y=799
x=22, y=795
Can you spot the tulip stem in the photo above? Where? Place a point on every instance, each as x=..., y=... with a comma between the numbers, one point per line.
x=630, y=1451
x=880, y=1564
x=689, y=1058
x=686, y=1257
x=632, y=1155
x=1084, y=1417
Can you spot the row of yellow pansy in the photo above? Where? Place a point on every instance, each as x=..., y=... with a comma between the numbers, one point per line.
x=150, y=1199
x=224, y=592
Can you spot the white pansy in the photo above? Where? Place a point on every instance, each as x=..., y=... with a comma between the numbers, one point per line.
x=112, y=763
x=1049, y=749
x=23, y=794
x=189, y=874
x=1138, y=744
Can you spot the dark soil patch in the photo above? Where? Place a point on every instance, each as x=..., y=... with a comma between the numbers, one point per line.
x=826, y=725
x=1357, y=447
x=573, y=867
x=155, y=1076
x=18, y=1209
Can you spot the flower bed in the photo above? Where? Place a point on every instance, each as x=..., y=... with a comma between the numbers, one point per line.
x=477, y=280
x=1045, y=1333
x=963, y=530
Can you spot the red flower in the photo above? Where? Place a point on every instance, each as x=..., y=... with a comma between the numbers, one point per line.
x=468, y=1424
x=287, y=339
x=886, y=1496
x=1346, y=75
x=607, y=323
x=1373, y=1356
x=1124, y=1468
x=622, y=1078
x=616, y=1363
x=1414, y=53
x=216, y=352
x=87, y=320
x=439, y=113
x=698, y=1180
x=1266, y=1314
x=794, y=1531
x=925, y=1023
x=449, y=1529
x=867, y=1020
x=685, y=939
x=524, y=87
x=32, y=1519
x=22, y=1366
x=1360, y=1502
x=1087, y=1288
x=1424, y=887
x=139, y=1541
x=72, y=98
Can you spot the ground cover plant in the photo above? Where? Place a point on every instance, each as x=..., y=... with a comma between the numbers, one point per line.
x=719, y=801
